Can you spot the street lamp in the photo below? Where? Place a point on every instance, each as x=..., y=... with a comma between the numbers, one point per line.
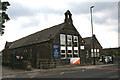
x=92, y=34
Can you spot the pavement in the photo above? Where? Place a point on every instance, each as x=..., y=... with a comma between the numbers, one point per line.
x=18, y=73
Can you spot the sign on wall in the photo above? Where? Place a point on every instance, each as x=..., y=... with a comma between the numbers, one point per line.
x=55, y=51
x=74, y=61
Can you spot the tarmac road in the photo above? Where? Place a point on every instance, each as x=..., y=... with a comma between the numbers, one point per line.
x=89, y=71
x=104, y=72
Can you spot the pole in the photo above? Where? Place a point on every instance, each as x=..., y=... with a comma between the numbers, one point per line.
x=92, y=35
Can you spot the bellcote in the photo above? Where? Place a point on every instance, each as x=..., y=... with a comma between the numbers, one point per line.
x=68, y=17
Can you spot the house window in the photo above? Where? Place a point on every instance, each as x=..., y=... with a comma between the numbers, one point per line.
x=69, y=55
x=75, y=41
x=95, y=53
x=63, y=54
x=62, y=39
x=69, y=51
x=69, y=40
x=25, y=51
x=62, y=51
x=98, y=55
x=91, y=52
x=75, y=53
x=97, y=50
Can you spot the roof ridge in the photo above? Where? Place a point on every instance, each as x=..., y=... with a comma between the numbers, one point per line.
x=39, y=36
x=37, y=32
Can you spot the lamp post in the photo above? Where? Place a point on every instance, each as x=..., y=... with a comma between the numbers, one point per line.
x=92, y=34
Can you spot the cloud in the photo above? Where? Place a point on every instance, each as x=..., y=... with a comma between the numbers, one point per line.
x=17, y=10
x=28, y=17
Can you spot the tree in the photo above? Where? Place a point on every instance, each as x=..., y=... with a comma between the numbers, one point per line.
x=3, y=15
x=117, y=53
x=110, y=52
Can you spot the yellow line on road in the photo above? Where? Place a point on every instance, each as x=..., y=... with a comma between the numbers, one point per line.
x=32, y=76
x=62, y=73
x=91, y=67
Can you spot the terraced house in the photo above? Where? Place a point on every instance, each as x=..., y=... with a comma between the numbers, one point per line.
x=55, y=44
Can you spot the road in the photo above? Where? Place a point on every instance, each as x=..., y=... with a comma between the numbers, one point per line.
x=104, y=72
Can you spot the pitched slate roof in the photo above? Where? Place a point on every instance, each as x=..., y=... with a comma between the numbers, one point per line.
x=44, y=35
x=88, y=40
x=38, y=37
x=8, y=44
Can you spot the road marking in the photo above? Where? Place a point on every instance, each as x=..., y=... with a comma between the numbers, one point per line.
x=109, y=68
x=8, y=76
x=32, y=76
x=82, y=70
x=91, y=67
x=62, y=73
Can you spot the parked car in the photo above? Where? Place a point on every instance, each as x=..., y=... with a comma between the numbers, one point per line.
x=108, y=59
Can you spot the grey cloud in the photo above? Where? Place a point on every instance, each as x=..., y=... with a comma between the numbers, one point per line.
x=84, y=7
x=119, y=18
x=32, y=23
x=17, y=10
x=102, y=7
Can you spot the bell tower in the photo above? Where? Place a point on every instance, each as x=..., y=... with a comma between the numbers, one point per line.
x=68, y=17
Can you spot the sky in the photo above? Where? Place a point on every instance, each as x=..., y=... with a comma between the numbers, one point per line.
x=30, y=16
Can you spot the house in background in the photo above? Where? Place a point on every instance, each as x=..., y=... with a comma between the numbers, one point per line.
x=55, y=44
x=89, y=49
x=111, y=51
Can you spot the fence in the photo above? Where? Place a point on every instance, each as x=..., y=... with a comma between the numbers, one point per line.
x=55, y=64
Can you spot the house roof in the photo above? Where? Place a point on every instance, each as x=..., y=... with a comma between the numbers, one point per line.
x=44, y=35
x=8, y=44
x=88, y=40
x=40, y=36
